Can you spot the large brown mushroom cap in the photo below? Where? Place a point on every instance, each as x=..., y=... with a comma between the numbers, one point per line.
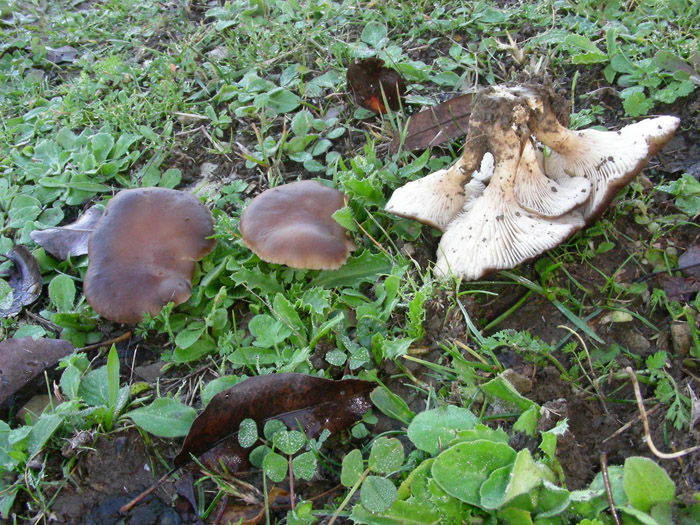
x=293, y=224
x=142, y=253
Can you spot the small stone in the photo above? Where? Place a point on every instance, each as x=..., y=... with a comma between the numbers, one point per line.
x=681, y=338
x=636, y=342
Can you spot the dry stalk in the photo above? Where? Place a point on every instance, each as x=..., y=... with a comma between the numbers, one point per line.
x=608, y=490
x=645, y=422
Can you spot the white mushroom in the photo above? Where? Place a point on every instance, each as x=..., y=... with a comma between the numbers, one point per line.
x=545, y=196
x=497, y=233
x=436, y=198
x=608, y=159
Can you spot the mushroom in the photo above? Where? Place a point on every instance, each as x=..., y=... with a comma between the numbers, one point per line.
x=496, y=231
x=293, y=224
x=142, y=252
x=436, y=198
x=542, y=195
x=608, y=159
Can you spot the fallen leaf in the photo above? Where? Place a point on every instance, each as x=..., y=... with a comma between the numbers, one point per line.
x=678, y=288
x=61, y=54
x=370, y=82
x=689, y=262
x=24, y=280
x=25, y=358
x=70, y=240
x=296, y=399
x=435, y=125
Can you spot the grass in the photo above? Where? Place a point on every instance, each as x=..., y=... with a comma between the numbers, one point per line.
x=257, y=89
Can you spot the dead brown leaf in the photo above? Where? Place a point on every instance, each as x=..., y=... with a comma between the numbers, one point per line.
x=25, y=358
x=311, y=402
x=24, y=279
x=371, y=82
x=435, y=125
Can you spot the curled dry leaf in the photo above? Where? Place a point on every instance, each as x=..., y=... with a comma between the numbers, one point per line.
x=435, y=125
x=371, y=82
x=70, y=240
x=24, y=280
x=25, y=358
x=296, y=399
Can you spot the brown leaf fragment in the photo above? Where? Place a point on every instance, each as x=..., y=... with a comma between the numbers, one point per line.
x=689, y=262
x=370, y=83
x=296, y=399
x=435, y=125
x=23, y=359
x=70, y=240
x=679, y=288
x=24, y=280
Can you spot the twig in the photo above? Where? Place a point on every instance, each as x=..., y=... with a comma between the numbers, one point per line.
x=128, y=506
x=630, y=423
x=108, y=342
x=608, y=490
x=645, y=422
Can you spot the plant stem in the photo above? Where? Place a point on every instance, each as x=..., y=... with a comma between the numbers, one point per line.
x=347, y=498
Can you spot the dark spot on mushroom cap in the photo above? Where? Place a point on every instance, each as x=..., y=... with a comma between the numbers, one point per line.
x=293, y=224
x=142, y=253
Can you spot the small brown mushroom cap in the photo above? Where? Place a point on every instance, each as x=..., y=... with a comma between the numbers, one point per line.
x=142, y=253
x=293, y=224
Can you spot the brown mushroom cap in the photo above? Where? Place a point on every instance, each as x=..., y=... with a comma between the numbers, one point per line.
x=141, y=255
x=292, y=224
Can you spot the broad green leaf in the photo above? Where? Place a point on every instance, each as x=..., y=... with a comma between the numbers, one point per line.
x=409, y=512
x=41, y=431
x=432, y=430
x=62, y=292
x=352, y=468
x=165, y=417
x=357, y=270
x=391, y=404
x=374, y=34
x=502, y=389
x=217, y=385
x=386, y=455
x=190, y=335
x=377, y=494
x=646, y=483
x=280, y=100
x=247, y=433
x=462, y=469
x=275, y=467
x=304, y=466
x=102, y=144
x=288, y=441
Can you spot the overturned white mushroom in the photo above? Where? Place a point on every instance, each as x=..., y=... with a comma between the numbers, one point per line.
x=608, y=159
x=436, y=198
x=534, y=200
x=542, y=195
x=496, y=232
